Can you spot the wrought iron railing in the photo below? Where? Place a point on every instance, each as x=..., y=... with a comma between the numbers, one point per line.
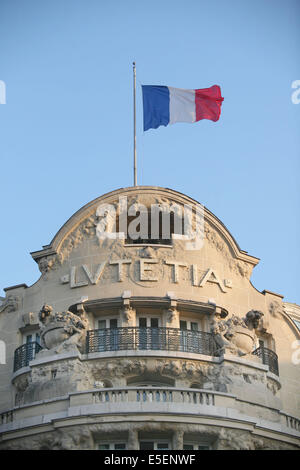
x=269, y=358
x=25, y=353
x=146, y=338
x=149, y=338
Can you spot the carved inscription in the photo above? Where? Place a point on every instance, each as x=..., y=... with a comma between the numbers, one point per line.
x=146, y=270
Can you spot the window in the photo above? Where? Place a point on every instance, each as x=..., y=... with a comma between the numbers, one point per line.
x=189, y=340
x=189, y=325
x=107, y=323
x=150, y=380
x=108, y=335
x=28, y=339
x=195, y=385
x=31, y=346
x=195, y=446
x=31, y=338
x=101, y=324
x=120, y=446
x=183, y=325
x=112, y=446
x=150, y=322
x=157, y=228
x=114, y=334
x=149, y=334
x=154, y=445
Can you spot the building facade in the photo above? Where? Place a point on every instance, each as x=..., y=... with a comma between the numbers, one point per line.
x=145, y=332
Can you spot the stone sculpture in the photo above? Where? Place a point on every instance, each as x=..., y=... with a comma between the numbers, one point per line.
x=61, y=332
x=236, y=335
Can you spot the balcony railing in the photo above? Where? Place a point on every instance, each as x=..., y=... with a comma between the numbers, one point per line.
x=145, y=338
x=25, y=353
x=154, y=395
x=149, y=338
x=269, y=358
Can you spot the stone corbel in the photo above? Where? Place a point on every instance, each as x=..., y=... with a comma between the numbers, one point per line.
x=171, y=314
x=127, y=311
x=45, y=264
x=220, y=313
x=30, y=318
x=80, y=309
x=172, y=309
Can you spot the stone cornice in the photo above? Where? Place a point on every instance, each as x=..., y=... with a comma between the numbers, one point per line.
x=162, y=302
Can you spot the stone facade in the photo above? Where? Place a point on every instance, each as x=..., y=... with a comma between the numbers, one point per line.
x=124, y=340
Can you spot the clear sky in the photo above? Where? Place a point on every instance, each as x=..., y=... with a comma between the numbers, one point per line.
x=66, y=128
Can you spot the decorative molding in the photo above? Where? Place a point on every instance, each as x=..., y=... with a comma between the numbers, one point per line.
x=83, y=224
x=238, y=267
x=10, y=304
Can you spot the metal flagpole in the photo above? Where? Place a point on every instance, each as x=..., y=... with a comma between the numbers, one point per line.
x=134, y=126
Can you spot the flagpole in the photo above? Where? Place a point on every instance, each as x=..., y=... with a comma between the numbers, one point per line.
x=134, y=126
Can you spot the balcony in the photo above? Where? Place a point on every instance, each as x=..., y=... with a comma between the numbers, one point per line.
x=145, y=339
x=25, y=353
x=148, y=338
x=269, y=358
x=140, y=400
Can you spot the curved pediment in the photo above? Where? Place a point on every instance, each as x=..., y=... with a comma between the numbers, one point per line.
x=82, y=226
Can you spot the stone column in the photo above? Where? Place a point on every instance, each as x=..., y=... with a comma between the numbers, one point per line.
x=178, y=440
x=133, y=439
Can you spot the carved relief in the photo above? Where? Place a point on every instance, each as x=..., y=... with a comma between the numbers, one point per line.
x=103, y=222
x=10, y=304
x=84, y=437
x=172, y=314
x=87, y=229
x=47, y=263
x=238, y=267
x=128, y=313
x=275, y=309
x=117, y=368
x=78, y=437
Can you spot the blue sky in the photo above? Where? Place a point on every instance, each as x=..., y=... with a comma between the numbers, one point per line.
x=66, y=128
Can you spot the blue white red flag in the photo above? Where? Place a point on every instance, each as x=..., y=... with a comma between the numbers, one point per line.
x=165, y=105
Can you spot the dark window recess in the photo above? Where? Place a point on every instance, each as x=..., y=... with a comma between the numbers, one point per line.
x=146, y=445
x=143, y=322
x=120, y=446
x=148, y=235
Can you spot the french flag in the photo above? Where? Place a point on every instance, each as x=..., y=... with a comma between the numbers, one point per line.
x=165, y=105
